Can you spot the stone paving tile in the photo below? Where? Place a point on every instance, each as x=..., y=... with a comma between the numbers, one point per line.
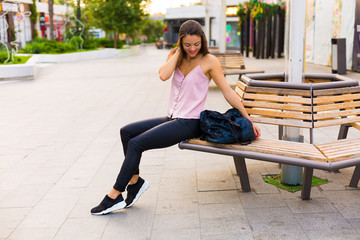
x=133, y=223
x=324, y=222
x=10, y=218
x=35, y=233
x=316, y=205
x=29, y=196
x=174, y=221
x=177, y=206
x=82, y=228
x=253, y=200
x=225, y=226
x=176, y=234
x=225, y=236
x=220, y=210
x=277, y=230
x=216, y=197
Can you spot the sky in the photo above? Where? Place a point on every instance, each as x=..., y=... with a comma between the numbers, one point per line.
x=161, y=5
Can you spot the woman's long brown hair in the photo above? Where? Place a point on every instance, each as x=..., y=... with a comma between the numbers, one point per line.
x=191, y=27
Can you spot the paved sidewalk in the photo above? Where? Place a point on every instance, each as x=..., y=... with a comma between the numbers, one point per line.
x=60, y=152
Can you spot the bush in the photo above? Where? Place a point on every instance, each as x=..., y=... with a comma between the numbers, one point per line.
x=90, y=44
x=42, y=45
x=3, y=56
x=109, y=43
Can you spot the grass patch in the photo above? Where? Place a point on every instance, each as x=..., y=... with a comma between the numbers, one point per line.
x=275, y=180
x=17, y=60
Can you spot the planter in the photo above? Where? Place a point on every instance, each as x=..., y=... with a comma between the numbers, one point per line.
x=18, y=71
x=26, y=71
x=86, y=56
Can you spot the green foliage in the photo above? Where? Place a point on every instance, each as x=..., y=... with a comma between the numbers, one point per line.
x=258, y=9
x=34, y=13
x=153, y=29
x=42, y=45
x=109, y=43
x=17, y=59
x=275, y=180
x=3, y=56
x=116, y=16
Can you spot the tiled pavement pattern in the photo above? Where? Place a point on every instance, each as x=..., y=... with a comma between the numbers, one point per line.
x=60, y=152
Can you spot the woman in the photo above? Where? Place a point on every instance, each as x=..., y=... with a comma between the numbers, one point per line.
x=193, y=68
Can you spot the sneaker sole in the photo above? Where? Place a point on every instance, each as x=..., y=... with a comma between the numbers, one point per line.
x=143, y=188
x=116, y=207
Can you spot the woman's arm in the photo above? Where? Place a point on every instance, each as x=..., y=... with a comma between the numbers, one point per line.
x=230, y=95
x=167, y=69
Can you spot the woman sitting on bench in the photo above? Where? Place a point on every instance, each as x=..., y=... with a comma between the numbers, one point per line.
x=193, y=68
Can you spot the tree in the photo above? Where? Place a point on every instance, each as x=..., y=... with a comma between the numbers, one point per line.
x=153, y=29
x=117, y=16
x=51, y=18
x=34, y=18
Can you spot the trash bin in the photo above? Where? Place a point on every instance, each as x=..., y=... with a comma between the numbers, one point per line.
x=338, y=55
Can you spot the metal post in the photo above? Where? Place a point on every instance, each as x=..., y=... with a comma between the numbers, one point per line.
x=295, y=38
x=207, y=22
x=222, y=27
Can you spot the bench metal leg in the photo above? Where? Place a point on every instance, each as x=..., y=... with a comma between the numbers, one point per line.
x=241, y=171
x=343, y=132
x=307, y=180
x=355, y=177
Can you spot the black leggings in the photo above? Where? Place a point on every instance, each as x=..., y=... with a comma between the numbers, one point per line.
x=151, y=134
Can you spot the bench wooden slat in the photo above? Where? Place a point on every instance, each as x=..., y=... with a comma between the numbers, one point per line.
x=279, y=148
x=333, y=122
x=275, y=98
x=282, y=122
x=341, y=149
x=231, y=61
x=279, y=114
x=280, y=91
x=329, y=92
x=263, y=104
x=340, y=98
x=356, y=125
x=337, y=114
x=335, y=106
x=338, y=143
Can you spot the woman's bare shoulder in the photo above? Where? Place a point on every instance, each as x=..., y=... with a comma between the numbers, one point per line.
x=210, y=57
x=211, y=60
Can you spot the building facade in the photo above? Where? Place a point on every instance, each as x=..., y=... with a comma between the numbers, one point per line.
x=16, y=27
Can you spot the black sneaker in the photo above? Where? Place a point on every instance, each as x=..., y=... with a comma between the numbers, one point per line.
x=108, y=205
x=134, y=191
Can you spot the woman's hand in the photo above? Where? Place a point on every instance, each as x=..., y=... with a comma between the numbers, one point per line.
x=256, y=130
x=173, y=51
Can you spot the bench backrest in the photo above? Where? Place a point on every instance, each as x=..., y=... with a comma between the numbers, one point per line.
x=316, y=103
x=231, y=60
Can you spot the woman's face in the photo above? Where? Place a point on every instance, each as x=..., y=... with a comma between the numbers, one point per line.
x=191, y=45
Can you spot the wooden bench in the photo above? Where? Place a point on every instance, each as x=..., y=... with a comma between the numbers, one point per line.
x=233, y=63
x=321, y=101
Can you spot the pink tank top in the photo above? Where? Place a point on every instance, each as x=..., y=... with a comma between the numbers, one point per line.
x=188, y=94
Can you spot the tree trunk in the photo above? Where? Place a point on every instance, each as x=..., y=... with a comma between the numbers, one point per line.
x=51, y=18
x=78, y=16
x=115, y=38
